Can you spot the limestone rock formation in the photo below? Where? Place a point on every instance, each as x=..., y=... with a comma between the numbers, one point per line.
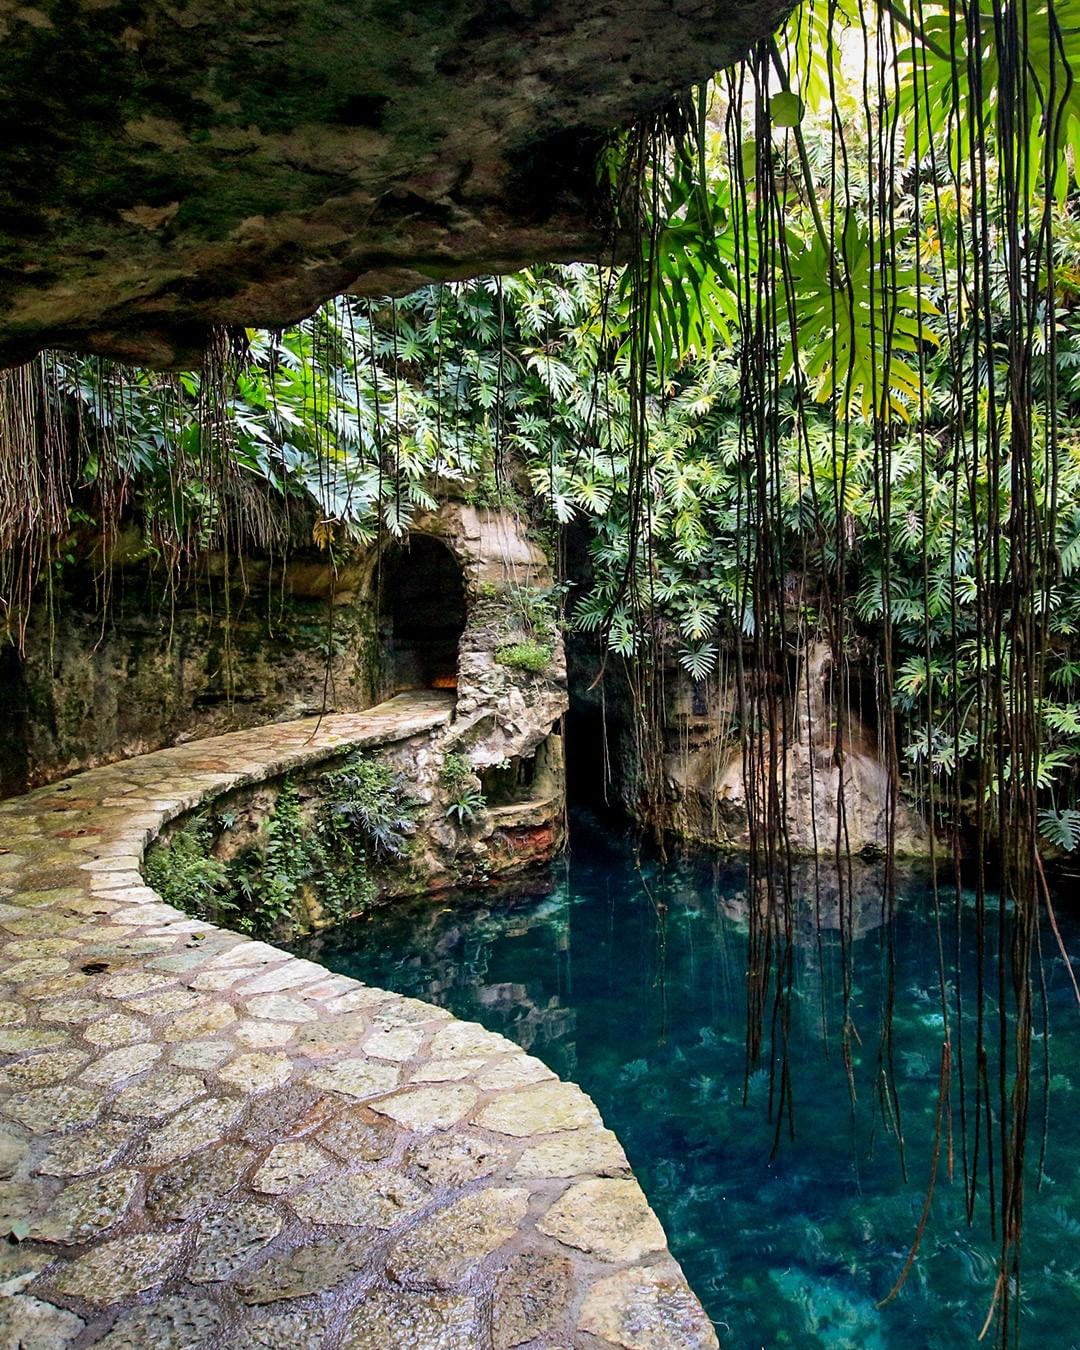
x=707, y=781
x=172, y=164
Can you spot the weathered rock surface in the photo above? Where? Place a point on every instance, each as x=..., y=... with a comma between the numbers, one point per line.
x=168, y=167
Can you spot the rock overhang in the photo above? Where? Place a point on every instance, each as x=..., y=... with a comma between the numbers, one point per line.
x=172, y=165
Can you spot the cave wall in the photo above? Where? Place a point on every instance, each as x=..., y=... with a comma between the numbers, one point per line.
x=702, y=797
x=283, y=639
x=168, y=165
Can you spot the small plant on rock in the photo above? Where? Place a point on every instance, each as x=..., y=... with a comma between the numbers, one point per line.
x=457, y=778
x=529, y=655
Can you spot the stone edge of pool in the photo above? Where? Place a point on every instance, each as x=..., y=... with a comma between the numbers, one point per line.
x=207, y=1141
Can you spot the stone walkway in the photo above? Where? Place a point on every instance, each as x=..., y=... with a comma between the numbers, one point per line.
x=207, y=1142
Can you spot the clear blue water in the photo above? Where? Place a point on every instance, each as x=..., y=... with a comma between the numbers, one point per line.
x=631, y=982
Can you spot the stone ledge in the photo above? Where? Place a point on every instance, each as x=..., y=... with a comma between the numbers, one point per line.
x=205, y=1141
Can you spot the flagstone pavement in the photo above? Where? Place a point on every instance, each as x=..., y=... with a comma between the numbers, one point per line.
x=205, y=1141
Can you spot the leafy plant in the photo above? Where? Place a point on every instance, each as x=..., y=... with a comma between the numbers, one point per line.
x=529, y=655
x=466, y=805
x=185, y=874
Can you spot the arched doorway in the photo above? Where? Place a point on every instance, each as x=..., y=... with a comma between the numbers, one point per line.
x=423, y=615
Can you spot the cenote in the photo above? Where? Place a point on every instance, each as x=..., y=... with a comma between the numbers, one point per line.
x=627, y=976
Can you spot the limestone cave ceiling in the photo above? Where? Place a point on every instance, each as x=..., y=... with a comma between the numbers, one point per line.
x=168, y=165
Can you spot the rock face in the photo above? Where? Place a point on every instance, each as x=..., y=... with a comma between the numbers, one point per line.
x=707, y=779
x=175, y=165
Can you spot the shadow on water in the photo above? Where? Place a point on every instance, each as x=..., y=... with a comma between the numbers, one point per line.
x=631, y=981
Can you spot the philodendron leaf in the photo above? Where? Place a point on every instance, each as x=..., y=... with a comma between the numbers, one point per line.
x=786, y=109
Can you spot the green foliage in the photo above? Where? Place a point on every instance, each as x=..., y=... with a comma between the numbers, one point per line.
x=455, y=771
x=368, y=798
x=362, y=818
x=466, y=805
x=185, y=874
x=458, y=780
x=1061, y=828
x=529, y=655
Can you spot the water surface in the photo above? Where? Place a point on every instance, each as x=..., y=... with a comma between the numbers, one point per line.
x=628, y=978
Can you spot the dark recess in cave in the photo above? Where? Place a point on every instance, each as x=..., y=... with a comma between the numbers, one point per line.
x=13, y=751
x=423, y=615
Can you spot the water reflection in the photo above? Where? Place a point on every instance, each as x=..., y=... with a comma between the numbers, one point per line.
x=631, y=980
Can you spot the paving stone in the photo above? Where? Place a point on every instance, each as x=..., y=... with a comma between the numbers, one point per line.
x=159, y=1095
x=172, y=1323
x=34, y=949
x=446, y=1070
x=287, y=1113
x=429, y=1108
x=201, y=1055
x=397, y=1043
x=310, y=1269
x=189, y=1130
x=54, y=986
x=86, y=929
x=46, y=925
x=50, y=1110
x=225, y=1241
x=13, y=1149
x=257, y=1072
x=72, y=1011
x=532, y=1296
x=268, y=1330
x=42, y=1070
x=288, y=1166
x=387, y=1320
x=513, y=1071
x=200, y=1021
x=444, y=1248
x=357, y=998
x=539, y=1110
x=120, y=1064
x=190, y=1187
x=20, y=1201
x=646, y=1308
x=20, y=1040
x=576, y=1153
x=610, y=1219
x=260, y=1035
x=167, y=1001
x=327, y=1036
x=288, y=975
x=454, y=1159
x=24, y=971
x=356, y=1078
x=20, y=1265
x=132, y=983
x=281, y=1008
x=357, y=1134
x=402, y=1012
x=86, y=1208
x=117, y=1269
x=117, y=1029
x=88, y=1151
x=29, y=1324
x=375, y=1199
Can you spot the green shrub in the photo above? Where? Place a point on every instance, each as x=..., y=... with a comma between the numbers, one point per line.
x=185, y=874
x=528, y=655
x=364, y=814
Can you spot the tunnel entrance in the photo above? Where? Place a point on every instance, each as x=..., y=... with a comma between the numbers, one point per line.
x=423, y=615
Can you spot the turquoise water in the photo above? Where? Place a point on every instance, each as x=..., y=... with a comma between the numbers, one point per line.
x=631, y=982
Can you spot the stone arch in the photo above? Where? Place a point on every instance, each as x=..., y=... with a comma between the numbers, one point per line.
x=422, y=611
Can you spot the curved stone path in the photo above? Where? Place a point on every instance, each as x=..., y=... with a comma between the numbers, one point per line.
x=205, y=1141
